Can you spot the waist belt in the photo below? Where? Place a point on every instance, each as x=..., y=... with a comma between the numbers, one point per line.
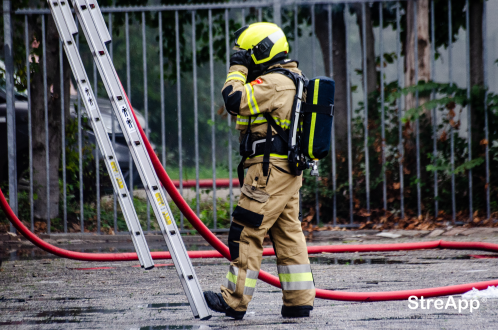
x=277, y=146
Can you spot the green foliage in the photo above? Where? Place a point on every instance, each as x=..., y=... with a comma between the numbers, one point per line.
x=72, y=161
x=449, y=102
x=23, y=208
x=223, y=216
x=444, y=165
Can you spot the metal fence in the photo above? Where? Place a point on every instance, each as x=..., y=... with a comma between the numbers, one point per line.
x=191, y=89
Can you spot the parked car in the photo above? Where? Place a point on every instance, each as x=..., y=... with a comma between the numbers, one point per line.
x=22, y=135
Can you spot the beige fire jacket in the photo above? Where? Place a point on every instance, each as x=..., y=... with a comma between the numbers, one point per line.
x=270, y=93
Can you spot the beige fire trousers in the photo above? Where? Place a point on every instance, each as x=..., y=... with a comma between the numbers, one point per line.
x=268, y=204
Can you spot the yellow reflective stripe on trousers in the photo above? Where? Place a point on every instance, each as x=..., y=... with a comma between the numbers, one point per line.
x=236, y=75
x=231, y=278
x=250, y=284
x=251, y=100
x=313, y=120
x=296, y=277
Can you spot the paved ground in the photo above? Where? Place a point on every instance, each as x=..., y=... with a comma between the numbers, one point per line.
x=38, y=291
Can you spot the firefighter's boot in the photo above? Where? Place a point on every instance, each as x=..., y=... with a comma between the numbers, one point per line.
x=216, y=302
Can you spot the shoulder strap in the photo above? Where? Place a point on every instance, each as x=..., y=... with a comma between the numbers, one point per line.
x=289, y=74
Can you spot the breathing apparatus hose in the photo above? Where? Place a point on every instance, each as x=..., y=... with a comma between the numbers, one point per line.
x=222, y=249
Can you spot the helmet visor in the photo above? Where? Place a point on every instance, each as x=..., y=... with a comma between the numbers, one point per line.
x=237, y=35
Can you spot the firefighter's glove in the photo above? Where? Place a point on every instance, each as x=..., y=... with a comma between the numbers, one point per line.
x=242, y=57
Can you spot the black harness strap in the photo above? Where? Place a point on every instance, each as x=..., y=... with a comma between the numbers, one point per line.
x=325, y=109
x=266, y=157
x=279, y=129
x=246, y=140
x=240, y=171
x=271, y=123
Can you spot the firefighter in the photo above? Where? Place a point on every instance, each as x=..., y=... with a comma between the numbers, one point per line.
x=269, y=201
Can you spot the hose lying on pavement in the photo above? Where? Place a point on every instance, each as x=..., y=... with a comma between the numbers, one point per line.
x=222, y=249
x=320, y=293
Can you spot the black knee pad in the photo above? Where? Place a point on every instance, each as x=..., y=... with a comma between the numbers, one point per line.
x=234, y=235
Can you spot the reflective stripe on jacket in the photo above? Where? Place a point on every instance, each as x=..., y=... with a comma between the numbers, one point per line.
x=272, y=93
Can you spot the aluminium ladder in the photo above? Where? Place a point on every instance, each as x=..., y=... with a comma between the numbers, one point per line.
x=66, y=26
x=97, y=35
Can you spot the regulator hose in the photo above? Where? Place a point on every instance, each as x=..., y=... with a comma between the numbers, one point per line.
x=222, y=249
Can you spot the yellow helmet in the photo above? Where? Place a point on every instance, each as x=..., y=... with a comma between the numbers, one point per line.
x=264, y=39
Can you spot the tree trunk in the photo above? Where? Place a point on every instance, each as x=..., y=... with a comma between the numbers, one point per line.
x=476, y=64
x=339, y=67
x=370, y=70
x=477, y=96
x=54, y=119
x=476, y=69
x=423, y=42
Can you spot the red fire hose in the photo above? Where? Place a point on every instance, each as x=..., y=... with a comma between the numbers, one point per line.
x=320, y=293
x=223, y=249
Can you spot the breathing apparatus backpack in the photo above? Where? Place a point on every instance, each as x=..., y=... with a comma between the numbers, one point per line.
x=310, y=130
x=311, y=121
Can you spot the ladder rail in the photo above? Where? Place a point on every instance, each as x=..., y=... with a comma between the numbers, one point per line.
x=97, y=35
x=66, y=27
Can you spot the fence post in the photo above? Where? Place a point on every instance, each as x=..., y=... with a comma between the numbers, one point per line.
x=277, y=17
x=11, y=114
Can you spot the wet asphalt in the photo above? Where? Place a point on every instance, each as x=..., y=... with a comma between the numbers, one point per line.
x=42, y=292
